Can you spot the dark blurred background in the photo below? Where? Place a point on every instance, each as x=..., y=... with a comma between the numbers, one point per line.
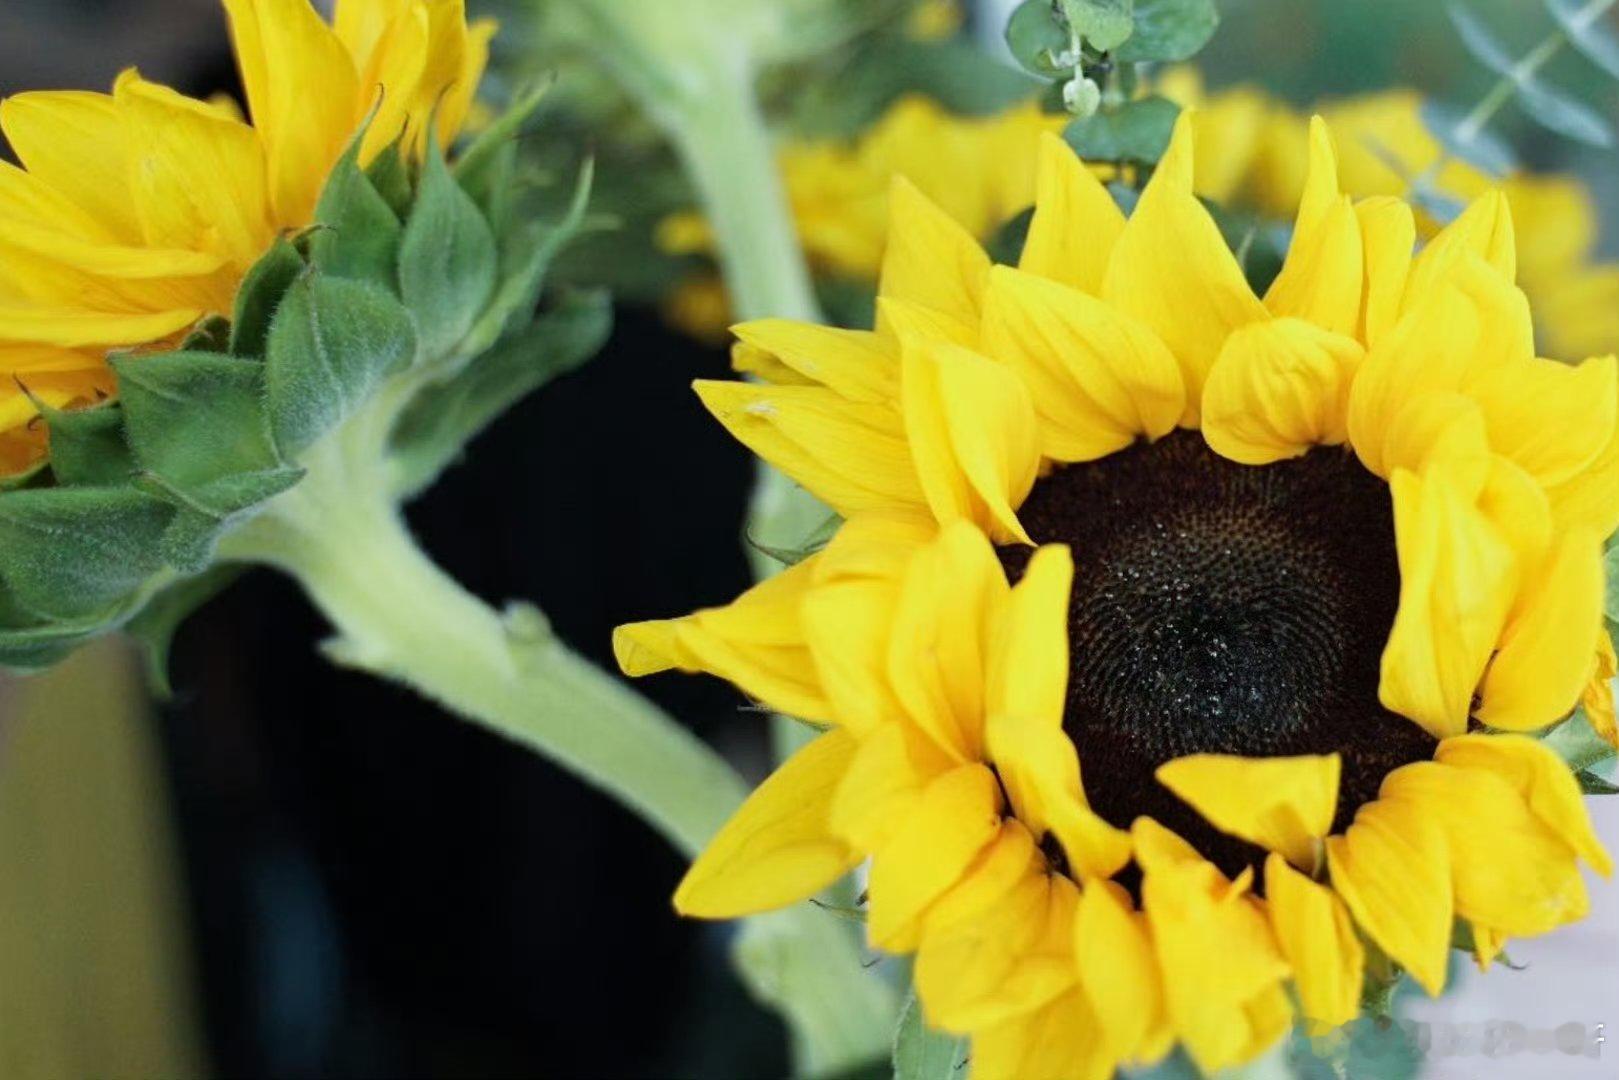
x=365, y=887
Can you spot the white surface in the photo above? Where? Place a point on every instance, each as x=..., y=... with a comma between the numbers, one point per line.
x=1570, y=976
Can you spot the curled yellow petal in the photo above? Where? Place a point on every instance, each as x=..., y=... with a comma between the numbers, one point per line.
x=1099, y=379
x=778, y=847
x=1318, y=939
x=1458, y=580
x=1388, y=237
x=1119, y=970
x=1284, y=804
x=1277, y=390
x=1392, y=868
x=930, y=260
x=1545, y=655
x=858, y=364
x=1324, y=275
x=1597, y=698
x=1482, y=231
x=1059, y=1039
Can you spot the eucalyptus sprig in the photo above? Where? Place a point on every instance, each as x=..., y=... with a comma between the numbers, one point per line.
x=1094, y=51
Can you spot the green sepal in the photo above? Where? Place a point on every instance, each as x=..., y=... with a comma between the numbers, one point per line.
x=260, y=294
x=332, y=342
x=920, y=1053
x=444, y=418
x=31, y=648
x=815, y=542
x=211, y=334
x=390, y=175
x=35, y=475
x=87, y=445
x=154, y=626
x=1577, y=742
x=358, y=233
x=1038, y=39
x=484, y=169
x=1137, y=131
x=195, y=418
x=447, y=259
x=1169, y=30
x=203, y=513
x=71, y=553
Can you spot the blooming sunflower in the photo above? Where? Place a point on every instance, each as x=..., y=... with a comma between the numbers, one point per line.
x=135, y=214
x=1179, y=644
x=1385, y=144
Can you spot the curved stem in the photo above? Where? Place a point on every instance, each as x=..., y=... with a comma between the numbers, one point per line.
x=399, y=616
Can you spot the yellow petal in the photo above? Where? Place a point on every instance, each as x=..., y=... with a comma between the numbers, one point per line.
x=1318, y=939
x=1518, y=507
x=1551, y=419
x=1119, y=970
x=303, y=92
x=847, y=626
x=858, y=364
x=1014, y=957
x=1099, y=379
x=1040, y=769
x=930, y=260
x=972, y=435
x=850, y=455
x=197, y=176
x=360, y=23
x=1277, y=390
x=1545, y=653
x=957, y=816
x=75, y=143
x=1285, y=804
x=946, y=611
x=1060, y=1040
x=1388, y=239
x=1541, y=778
x=1003, y=869
x=1028, y=662
x=1172, y=270
x=1511, y=872
x=1475, y=324
x=1591, y=499
x=778, y=847
x=906, y=321
x=756, y=642
x=1458, y=579
x=877, y=545
x=1323, y=277
x=1439, y=431
x=1075, y=223
x=1483, y=230
x=74, y=329
x=1392, y=868
x=1597, y=698
x=892, y=768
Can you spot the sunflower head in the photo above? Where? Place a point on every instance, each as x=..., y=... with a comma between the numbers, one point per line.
x=134, y=214
x=1180, y=645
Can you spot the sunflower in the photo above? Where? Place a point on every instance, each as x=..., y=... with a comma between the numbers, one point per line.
x=979, y=169
x=1386, y=145
x=135, y=214
x=1180, y=651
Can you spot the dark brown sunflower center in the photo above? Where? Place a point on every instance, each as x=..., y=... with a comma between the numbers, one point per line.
x=1222, y=608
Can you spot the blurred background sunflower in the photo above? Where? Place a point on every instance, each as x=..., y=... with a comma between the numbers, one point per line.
x=288, y=870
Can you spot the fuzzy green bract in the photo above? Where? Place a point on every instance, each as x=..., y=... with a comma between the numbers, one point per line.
x=419, y=284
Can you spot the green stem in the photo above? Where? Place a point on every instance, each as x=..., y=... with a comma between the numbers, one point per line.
x=399, y=616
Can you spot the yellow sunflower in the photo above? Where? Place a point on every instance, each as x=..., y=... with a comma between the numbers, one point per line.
x=136, y=213
x=979, y=169
x=1288, y=577
x=1252, y=156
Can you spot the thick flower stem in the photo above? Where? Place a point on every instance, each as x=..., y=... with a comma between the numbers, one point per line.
x=401, y=617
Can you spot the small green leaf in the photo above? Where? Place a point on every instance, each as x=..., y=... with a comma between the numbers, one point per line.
x=1587, y=32
x=195, y=418
x=921, y=1053
x=1039, y=40
x=35, y=647
x=484, y=169
x=1610, y=567
x=358, y=233
x=87, y=445
x=1103, y=24
x=447, y=260
x=1576, y=742
x=1169, y=30
x=68, y=553
x=1137, y=131
x=260, y=293
x=444, y=418
x=1481, y=147
x=154, y=627
x=332, y=342
x=814, y=542
x=211, y=334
